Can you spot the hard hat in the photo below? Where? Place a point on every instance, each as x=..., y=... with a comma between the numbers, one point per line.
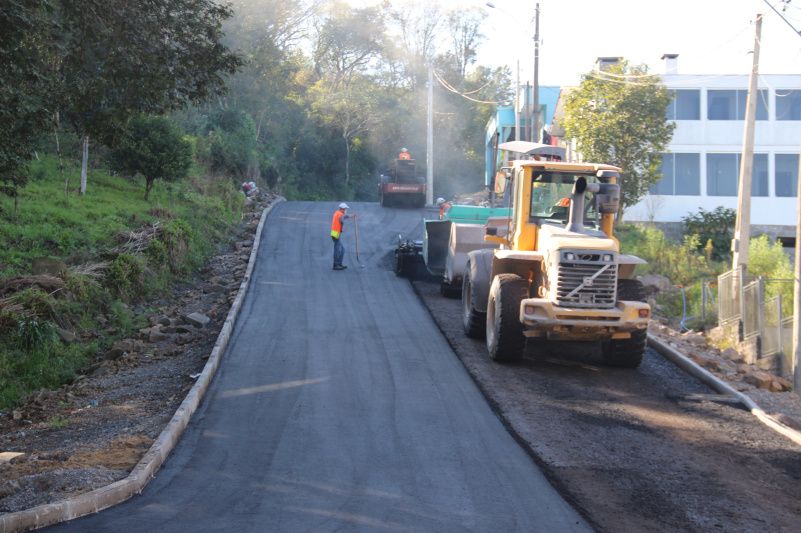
x=343, y=205
x=404, y=149
x=440, y=201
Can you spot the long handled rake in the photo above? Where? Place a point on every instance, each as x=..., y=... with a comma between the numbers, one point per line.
x=356, y=226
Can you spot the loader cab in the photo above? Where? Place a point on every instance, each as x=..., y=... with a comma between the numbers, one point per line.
x=550, y=198
x=542, y=193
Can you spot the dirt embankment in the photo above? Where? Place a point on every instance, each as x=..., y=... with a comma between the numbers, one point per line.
x=92, y=432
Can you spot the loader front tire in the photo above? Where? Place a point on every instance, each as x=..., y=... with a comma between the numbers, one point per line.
x=627, y=353
x=474, y=322
x=505, y=339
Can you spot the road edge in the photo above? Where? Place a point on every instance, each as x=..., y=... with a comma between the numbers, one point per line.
x=546, y=469
x=104, y=497
x=690, y=367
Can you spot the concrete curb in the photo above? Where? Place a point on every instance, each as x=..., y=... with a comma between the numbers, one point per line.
x=700, y=373
x=119, y=491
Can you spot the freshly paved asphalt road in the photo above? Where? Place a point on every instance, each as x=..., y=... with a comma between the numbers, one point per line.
x=340, y=406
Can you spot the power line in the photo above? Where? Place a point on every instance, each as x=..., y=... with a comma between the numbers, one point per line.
x=783, y=18
x=452, y=89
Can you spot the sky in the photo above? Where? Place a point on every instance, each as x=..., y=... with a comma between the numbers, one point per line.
x=710, y=36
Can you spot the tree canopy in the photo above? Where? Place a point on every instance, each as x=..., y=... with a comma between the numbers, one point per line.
x=618, y=117
x=154, y=148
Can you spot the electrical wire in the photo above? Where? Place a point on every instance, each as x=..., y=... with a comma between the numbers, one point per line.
x=450, y=88
x=782, y=17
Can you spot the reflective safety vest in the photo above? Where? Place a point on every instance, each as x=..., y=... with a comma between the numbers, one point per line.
x=444, y=209
x=336, y=223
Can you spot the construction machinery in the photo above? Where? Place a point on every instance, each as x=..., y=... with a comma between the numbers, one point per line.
x=557, y=274
x=400, y=185
x=442, y=254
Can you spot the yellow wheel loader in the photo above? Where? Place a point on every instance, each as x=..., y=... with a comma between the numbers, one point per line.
x=558, y=274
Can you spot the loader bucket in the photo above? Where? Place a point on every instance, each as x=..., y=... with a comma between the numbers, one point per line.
x=464, y=239
x=435, y=245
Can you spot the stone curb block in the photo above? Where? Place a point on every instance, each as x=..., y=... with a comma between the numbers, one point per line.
x=119, y=491
x=700, y=373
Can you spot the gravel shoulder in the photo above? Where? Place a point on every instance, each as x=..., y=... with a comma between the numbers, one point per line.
x=649, y=449
x=93, y=431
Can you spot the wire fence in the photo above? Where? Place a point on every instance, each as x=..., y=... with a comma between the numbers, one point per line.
x=762, y=307
x=693, y=306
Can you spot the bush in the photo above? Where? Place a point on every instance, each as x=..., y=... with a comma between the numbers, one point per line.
x=125, y=277
x=679, y=262
x=232, y=143
x=768, y=259
x=712, y=226
x=177, y=236
x=157, y=255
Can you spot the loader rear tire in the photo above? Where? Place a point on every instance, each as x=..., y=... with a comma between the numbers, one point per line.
x=627, y=353
x=474, y=322
x=505, y=339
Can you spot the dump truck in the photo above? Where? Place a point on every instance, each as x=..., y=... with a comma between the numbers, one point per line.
x=400, y=185
x=558, y=273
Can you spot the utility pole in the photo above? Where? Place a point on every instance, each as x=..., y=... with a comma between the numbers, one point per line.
x=430, y=139
x=797, y=269
x=742, y=227
x=517, y=103
x=797, y=288
x=535, y=118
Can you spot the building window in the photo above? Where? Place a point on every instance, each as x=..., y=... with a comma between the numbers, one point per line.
x=786, y=174
x=788, y=105
x=723, y=175
x=759, y=175
x=686, y=105
x=680, y=175
x=730, y=104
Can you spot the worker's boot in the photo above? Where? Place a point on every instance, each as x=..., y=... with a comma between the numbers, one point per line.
x=340, y=267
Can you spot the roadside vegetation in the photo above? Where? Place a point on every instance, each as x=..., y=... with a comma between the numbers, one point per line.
x=115, y=181
x=697, y=258
x=107, y=251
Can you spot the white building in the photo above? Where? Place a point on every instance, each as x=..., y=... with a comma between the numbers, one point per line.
x=701, y=168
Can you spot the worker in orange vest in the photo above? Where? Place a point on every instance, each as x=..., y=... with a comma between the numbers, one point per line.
x=444, y=205
x=336, y=233
x=404, y=154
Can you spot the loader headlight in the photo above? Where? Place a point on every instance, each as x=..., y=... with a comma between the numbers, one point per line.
x=608, y=258
x=569, y=256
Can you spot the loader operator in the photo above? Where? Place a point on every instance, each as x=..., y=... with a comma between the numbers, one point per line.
x=336, y=233
x=404, y=154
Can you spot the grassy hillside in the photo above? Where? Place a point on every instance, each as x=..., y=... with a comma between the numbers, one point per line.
x=117, y=247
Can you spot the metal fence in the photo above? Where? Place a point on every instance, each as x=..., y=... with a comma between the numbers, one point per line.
x=762, y=307
x=730, y=285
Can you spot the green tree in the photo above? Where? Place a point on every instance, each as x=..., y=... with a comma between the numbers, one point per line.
x=348, y=41
x=121, y=58
x=618, y=116
x=26, y=83
x=232, y=138
x=350, y=110
x=154, y=148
